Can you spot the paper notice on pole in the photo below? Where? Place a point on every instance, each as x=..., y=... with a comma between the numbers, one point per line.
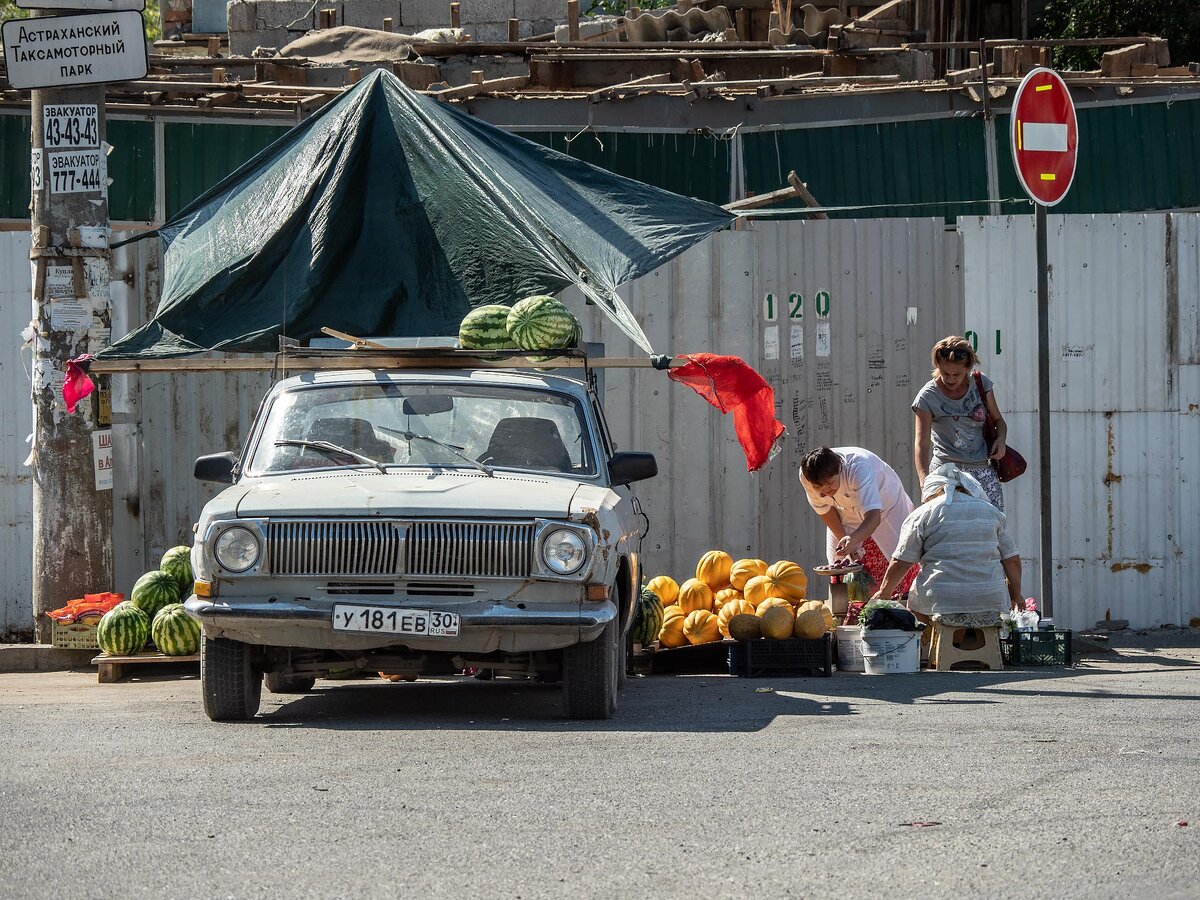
x=99, y=337
x=103, y=459
x=824, y=340
x=70, y=126
x=98, y=276
x=94, y=236
x=76, y=171
x=70, y=315
x=60, y=283
x=771, y=342
x=37, y=175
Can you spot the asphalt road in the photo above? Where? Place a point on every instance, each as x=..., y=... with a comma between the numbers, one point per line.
x=1056, y=783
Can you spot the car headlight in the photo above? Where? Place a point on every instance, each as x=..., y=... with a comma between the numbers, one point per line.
x=564, y=551
x=236, y=549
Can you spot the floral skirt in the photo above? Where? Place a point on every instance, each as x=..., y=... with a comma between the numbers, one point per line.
x=987, y=478
x=876, y=564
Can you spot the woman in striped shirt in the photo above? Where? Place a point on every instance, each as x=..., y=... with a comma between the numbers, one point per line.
x=969, y=562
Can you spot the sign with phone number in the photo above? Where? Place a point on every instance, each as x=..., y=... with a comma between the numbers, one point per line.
x=76, y=172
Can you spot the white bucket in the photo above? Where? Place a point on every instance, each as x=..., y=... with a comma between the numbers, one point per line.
x=849, y=649
x=891, y=652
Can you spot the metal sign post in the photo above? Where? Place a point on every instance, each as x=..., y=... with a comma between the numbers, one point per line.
x=65, y=61
x=1045, y=141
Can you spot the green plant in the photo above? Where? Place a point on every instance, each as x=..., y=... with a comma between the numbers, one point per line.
x=1178, y=22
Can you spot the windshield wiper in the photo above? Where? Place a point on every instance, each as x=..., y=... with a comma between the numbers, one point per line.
x=328, y=448
x=457, y=451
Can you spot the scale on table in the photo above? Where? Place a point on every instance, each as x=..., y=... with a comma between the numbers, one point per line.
x=839, y=593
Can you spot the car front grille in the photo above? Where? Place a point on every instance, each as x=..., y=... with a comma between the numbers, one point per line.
x=441, y=549
x=334, y=547
x=469, y=549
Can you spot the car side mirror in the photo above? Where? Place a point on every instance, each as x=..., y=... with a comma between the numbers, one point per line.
x=626, y=468
x=216, y=467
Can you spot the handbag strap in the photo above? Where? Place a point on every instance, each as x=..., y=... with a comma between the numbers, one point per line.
x=983, y=399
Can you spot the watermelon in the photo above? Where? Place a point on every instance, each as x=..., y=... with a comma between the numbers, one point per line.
x=175, y=632
x=485, y=328
x=123, y=630
x=153, y=591
x=177, y=562
x=649, y=618
x=542, y=323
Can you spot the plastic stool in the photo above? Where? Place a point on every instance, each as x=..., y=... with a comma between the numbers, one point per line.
x=964, y=646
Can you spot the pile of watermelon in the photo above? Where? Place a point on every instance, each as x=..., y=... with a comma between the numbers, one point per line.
x=153, y=612
x=535, y=323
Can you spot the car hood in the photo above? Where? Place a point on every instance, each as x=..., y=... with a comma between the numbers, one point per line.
x=407, y=494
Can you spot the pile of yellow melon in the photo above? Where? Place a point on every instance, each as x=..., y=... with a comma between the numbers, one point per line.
x=743, y=600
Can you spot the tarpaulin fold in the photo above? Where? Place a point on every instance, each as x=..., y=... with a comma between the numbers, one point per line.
x=388, y=213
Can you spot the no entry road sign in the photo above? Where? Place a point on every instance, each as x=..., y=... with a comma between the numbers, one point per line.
x=1045, y=136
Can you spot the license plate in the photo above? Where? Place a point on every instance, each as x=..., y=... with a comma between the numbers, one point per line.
x=422, y=622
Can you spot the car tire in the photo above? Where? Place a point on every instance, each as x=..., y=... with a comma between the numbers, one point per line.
x=278, y=683
x=626, y=656
x=230, y=685
x=590, y=675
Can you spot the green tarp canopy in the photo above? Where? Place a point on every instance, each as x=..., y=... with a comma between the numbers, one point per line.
x=390, y=214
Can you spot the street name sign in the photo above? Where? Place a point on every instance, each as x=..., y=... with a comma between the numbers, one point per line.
x=84, y=5
x=1045, y=136
x=62, y=51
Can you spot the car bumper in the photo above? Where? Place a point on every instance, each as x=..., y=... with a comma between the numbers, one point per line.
x=482, y=629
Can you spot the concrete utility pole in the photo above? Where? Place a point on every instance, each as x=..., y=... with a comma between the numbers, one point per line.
x=72, y=315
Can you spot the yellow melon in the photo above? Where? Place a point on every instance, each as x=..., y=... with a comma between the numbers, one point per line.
x=745, y=627
x=701, y=627
x=810, y=604
x=788, y=580
x=745, y=569
x=695, y=594
x=827, y=615
x=810, y=624
x=738, y=607
x=713, y=569
x=778, y=622
x=720, y=598
x=772, y=603
x=672, y=632
x=664, y=588
x=757, y=590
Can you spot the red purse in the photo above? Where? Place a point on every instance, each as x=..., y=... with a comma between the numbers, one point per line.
x=1012, y=464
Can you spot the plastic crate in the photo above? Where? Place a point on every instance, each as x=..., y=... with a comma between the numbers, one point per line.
x=73, y=636
x=1037, y=648
x=789, y=657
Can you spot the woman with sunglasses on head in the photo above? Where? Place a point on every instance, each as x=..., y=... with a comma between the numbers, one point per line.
x=950, y=411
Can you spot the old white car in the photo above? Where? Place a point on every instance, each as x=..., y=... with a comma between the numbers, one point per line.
x=420, y=523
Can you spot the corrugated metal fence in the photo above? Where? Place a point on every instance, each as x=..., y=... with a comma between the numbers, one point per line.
x=838, y=316
x=1125, y=402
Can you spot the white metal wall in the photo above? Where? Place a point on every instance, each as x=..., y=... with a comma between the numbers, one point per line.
x=864, y=300
x=844, y=341
x=1125, y=501
x=16, y=421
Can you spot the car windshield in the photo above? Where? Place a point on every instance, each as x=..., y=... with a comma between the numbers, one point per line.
x=440, y=425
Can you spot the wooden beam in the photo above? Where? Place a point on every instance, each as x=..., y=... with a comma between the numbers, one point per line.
x=358, y=359
x=495, y=86
x=802, y=191
x=573, y=20
x=455, y=15
x=629, y=86
x=514, y=30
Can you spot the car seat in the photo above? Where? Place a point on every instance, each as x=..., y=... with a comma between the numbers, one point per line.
x=353, y=434
x=527, y=443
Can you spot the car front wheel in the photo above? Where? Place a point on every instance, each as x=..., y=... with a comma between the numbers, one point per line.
x=229, y=682
x=590, y=675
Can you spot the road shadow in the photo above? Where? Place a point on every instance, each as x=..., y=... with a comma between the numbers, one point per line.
x=658, y=704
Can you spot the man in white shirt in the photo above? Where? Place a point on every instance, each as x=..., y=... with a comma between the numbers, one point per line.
x=862, y=502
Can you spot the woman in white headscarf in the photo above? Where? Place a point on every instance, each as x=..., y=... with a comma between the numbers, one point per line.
x=969, y=562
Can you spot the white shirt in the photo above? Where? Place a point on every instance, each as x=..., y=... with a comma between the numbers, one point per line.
x=867, y=483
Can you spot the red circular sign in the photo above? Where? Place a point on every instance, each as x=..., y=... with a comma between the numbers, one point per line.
x=1045, y=136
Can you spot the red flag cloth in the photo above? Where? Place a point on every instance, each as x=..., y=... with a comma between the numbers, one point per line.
x=731, y=385
x=78, y=385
